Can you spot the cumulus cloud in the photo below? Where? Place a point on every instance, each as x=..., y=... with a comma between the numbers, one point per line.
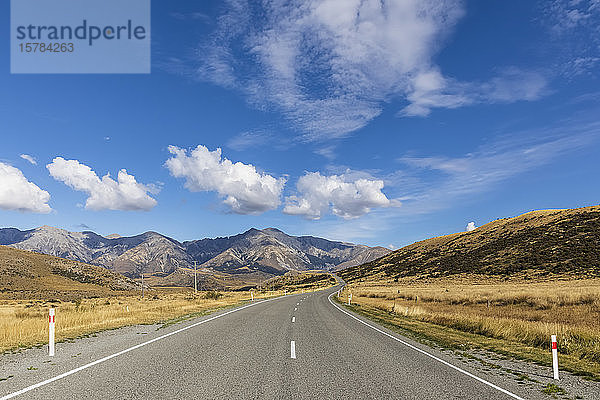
x=28, y=158
x=244, y=189
x=105, y=193
x=346, y=198
x=471, y=226
x=17, y=193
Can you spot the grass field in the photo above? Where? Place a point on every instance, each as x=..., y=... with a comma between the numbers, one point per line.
x=24, y=323
x=523, y=314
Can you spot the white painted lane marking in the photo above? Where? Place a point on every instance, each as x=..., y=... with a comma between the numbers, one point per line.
x=296, y=309
x=293, y=349
x=297, y=304
x=71, y=372
x=293, y=319
x=426, y=353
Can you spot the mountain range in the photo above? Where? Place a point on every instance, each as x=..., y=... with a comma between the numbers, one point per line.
x=267, y=252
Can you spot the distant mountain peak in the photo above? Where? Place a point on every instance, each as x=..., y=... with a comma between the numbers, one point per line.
x=272, y=230
x=252, y=231
x=49, y=228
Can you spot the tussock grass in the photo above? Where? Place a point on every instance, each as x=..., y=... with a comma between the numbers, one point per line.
x=527, y=313
x=25, y=323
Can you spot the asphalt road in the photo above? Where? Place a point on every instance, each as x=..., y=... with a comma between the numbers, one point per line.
x=295, y=347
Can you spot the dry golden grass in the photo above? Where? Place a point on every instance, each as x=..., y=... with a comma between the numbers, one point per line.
x=25, y=323
x=527, y=313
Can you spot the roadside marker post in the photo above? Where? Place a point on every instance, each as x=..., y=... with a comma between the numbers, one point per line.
x=252, y=294
x=349, y=298
x=195, y=279
x=555, y=356
x=51, y=327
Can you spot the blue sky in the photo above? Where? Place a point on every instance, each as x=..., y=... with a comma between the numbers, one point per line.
x=341, y=119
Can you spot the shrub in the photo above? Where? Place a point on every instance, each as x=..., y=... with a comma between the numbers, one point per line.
x=213, y=295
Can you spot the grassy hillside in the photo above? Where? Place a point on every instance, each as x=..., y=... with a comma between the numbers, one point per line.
x=28, y=275
x=505, y=287
x=292, y=281
x=536, y=244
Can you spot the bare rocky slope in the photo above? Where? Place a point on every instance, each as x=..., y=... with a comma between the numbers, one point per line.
x=268, y=251
x=538, y=244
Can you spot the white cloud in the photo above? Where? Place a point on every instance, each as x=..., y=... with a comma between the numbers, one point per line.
x=327, y=152
x=471, y=226
x=566, y=15
x=17, y=193
x=124, y=194
x=430, y=183
x=330, y=66
x=246, y=191
x=431, y=90
x=575, y=32
x=29, y=158
x=346, y=198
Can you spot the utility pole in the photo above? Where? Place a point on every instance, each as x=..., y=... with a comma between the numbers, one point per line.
x=195, y=280
x=142, y=285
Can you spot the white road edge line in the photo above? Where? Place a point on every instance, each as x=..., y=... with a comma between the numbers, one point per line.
x=293, y=319
x=425, y=353
x=292, y=349
x=71, y=372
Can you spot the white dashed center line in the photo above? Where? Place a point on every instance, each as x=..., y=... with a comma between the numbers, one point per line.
x=293, y=319
x=293, y=349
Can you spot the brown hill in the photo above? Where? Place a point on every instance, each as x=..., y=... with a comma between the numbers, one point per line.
x=24, y=274
x=539, y=243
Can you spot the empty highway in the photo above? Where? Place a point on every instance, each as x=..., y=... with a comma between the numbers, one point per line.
x=296, y=347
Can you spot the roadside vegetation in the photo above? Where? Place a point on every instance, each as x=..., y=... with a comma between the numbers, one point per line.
x=24, y=323
x=515, y=318
x=293, y=280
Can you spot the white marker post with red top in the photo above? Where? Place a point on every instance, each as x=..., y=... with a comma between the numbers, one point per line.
x=555, y=356
x=51, y=328
x=349, y=298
